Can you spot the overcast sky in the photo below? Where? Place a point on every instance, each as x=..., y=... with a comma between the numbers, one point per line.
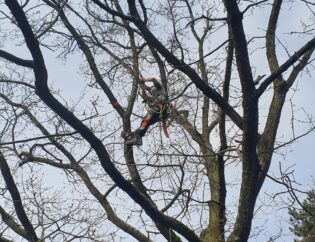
x=299, y=156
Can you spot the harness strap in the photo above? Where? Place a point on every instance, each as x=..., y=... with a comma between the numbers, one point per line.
x=162, y=107
x=165, y=128
x=163, y=119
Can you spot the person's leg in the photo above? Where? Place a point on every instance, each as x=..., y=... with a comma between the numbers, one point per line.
x=150, y=119
x=147, y=121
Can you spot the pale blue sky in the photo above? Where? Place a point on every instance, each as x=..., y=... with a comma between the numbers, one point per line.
x=65, y=76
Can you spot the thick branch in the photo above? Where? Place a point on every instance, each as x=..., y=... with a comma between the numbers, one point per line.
x=299, y=67
x=111, y=215
x=182, y=66
x=16, y=60
x=2, y=239
x=268, y=137
x=307, y=47
x=39, y=125
x=135, y=66
x=27, y=157
x=250, y=165
x=43, y=92
x=112, y=11
x=17, y=82
x=235, y=18
x=16, y=198
x=195, y=135
x=271, y=36
x=9, y=221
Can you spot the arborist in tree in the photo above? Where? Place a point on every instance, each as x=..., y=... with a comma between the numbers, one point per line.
x=156, y=98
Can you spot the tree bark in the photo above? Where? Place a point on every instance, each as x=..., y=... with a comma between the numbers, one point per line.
x=17, y=201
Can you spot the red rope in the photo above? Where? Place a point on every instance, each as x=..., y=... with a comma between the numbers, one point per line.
x=115, y=104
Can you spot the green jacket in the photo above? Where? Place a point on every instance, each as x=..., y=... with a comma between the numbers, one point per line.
x=159, y=94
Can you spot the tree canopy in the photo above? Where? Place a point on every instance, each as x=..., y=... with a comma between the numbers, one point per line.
x=230, y=69
x=303, y=220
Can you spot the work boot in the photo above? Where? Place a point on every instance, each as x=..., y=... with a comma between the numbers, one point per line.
x=136, y=140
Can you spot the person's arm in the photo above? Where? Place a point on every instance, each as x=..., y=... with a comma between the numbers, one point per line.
x=155, y=81
x=144, y=88
x=149, y=79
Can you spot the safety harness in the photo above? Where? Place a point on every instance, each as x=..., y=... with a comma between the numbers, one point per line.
x=163, y=115
x=159, y=100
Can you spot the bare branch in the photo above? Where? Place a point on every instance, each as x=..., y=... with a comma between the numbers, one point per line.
x=2, y=239
x=16, y=60
x=17, y=82
x=253, y=5
x=286, y=65
x=38, y=138
x=112, y=11
x=44, y=93
x=180, y=65
x=19, y=208
x=9, y=220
